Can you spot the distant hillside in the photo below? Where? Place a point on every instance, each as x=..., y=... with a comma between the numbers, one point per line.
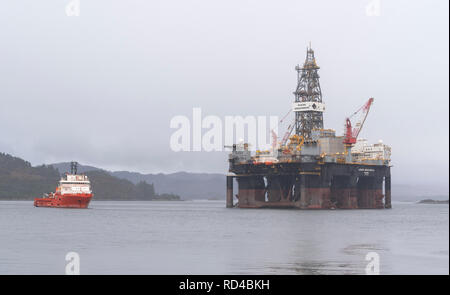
x=65, y=168
x=20, y=181
x=108, y=187
x=187, y=185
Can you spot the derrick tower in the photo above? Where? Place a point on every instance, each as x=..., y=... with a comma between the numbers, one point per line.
x=308, y=106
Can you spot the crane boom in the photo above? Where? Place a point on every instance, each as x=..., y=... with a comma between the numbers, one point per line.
x=286, y=135
x=351, y=134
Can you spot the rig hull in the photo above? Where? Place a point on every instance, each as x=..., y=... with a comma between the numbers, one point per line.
x=310, y=186
x=64, y=201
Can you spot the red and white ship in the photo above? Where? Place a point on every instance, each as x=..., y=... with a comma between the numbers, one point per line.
x=74, y=191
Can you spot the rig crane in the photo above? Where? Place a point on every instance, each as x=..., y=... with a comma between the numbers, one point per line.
x=287, y=134
x=351, y=134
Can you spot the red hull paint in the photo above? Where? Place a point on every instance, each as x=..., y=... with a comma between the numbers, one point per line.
x=316, y=198
x=64, y=201
x=346, y=198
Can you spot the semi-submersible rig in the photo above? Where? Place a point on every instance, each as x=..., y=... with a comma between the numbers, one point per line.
x=312, y=168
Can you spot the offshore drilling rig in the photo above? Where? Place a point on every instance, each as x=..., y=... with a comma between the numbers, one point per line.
x=312, y=168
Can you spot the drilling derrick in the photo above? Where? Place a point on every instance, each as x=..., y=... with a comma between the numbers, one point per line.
x=308, y=106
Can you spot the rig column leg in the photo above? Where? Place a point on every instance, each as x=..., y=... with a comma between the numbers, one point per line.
x=297, y=186
x=230, y=192
x=353, y=193
x=303, y=199
x=387, y=191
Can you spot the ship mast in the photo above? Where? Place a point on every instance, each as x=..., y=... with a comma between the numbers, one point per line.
x=73, y=167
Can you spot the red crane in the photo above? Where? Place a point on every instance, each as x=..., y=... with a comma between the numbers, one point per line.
x=351, y=134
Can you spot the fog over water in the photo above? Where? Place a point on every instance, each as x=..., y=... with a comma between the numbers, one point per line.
x=101, y=88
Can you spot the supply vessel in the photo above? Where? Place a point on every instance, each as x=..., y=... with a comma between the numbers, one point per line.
x=73, y=191
x=311, y=167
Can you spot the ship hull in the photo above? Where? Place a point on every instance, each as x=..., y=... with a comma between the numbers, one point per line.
x=65, y=201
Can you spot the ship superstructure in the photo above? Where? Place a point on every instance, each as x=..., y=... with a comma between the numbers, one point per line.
x=312, y=167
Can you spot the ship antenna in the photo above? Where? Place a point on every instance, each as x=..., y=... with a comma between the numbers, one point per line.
x=73, y=167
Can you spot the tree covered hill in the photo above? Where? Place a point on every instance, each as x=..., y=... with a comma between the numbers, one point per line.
x=19, y=180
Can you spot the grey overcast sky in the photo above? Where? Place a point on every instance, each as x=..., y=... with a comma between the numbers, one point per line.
x=101, y=88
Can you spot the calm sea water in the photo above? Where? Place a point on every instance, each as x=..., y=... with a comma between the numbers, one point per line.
x=202, y=237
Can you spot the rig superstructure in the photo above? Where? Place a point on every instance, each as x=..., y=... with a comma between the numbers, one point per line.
x=312, y=168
